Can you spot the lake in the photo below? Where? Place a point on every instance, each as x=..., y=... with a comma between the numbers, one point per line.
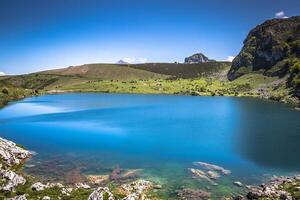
x=75, y=135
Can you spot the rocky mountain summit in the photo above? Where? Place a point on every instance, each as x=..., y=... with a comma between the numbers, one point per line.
x=122, y=62
x=197, y=58
x=272, y=48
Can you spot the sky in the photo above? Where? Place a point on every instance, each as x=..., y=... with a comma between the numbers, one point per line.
x=43, y=34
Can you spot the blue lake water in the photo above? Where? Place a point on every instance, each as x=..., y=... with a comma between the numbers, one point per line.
x=160, y=134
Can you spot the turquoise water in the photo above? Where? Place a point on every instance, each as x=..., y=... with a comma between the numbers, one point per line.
x=159, y=134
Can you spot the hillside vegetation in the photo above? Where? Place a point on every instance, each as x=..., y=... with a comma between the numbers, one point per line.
x=272, y=49
x=267, y=66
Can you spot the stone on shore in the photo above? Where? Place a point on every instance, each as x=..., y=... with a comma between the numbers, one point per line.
x=11, y=153
x=38, y=186
x=13, y=180
x=98, y=194
x=20, y=197
x=82, y=186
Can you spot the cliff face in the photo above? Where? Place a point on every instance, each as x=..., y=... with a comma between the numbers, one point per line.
x=272, y=48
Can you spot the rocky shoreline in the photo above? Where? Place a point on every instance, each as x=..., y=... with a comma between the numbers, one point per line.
x=14, y=185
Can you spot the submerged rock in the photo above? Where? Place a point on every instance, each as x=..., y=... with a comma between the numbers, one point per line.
x=212, y=167
x=97, y=179
x=213, y=175
x=197, y=173
x=119, y=175
x=192, y=194
x=237, y=183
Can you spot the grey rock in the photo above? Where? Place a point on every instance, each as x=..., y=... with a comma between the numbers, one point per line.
x=13, y=179
x=237, y=183
x=38, y=186
x=197, y=58
x=20, y=197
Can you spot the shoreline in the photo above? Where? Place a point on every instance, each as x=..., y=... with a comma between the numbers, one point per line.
x=19, y=186
x=275, y=188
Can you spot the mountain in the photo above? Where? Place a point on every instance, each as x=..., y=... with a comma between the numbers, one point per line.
x=197, y=58
x=122, y=62
x=273, y=49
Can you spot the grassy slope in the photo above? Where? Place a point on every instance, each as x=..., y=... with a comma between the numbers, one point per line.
x=106, y=72
x=184, y=70
x=193, y=79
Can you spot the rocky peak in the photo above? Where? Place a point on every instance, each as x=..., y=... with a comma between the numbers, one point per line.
x=122, y=62
x=197, y=58
x=266, y=45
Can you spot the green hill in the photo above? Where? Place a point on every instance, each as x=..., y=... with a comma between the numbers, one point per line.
x=272, y=49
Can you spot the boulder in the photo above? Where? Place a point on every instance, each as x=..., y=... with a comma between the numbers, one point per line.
x=13, y=180
x=38, y=186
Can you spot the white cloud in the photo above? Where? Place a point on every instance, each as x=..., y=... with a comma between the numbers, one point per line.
x=129, y=60
x=135, y=60
x=230, y=58
x=280, y=14
x=142, y=60
x=2, y=73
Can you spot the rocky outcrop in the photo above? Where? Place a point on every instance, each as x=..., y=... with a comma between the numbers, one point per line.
x=197, y=58
x=99, y=194
x=12, y=180
x=132, y=191
x=11, y=153
x=273, y=189
x=266, y=46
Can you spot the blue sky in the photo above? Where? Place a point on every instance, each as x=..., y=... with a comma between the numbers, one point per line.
x=42, y=34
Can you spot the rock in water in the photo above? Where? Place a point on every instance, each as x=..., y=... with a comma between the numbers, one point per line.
x=192, y=194
x=197, y=173
x=197, y=58
x=237, y=183
x=213, y=167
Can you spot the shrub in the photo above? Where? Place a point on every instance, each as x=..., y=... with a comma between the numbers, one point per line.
x=5, y=90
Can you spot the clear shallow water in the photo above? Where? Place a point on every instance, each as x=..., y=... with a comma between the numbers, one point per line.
x=163, y=135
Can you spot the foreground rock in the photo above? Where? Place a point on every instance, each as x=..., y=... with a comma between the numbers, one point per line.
x=191, y=194
x=12, y=180
x=133, y=191
x=274, y=189
x=11, y=153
